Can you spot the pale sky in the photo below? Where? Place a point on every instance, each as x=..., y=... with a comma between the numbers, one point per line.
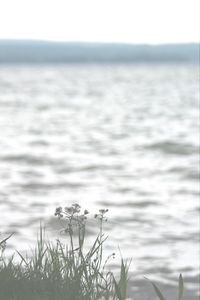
x=131, y=21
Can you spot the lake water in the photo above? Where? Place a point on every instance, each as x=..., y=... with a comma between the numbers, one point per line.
x=122, y=137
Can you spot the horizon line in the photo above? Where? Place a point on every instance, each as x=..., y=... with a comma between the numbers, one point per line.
x=97, y=42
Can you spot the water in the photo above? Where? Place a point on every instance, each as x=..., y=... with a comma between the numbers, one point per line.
x=122, y=137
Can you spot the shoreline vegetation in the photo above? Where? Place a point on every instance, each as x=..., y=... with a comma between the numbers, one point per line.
x=57, y=271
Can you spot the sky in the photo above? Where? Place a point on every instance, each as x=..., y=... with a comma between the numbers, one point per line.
x=128, y=21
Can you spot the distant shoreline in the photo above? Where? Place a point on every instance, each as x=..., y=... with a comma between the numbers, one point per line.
x=35, y=51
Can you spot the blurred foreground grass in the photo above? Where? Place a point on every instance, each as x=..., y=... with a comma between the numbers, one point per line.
x=66, y=272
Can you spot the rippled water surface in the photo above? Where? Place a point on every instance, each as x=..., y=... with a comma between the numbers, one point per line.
x=122, y=137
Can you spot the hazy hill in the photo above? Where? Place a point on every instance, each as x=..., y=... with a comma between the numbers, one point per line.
x=27, y=51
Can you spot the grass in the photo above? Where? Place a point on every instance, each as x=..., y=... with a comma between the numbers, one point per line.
x=66, y=272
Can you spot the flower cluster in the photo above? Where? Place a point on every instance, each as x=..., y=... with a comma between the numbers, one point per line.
x=70, y=211
x=58, y=212
x=101, y=215
x=73, y=216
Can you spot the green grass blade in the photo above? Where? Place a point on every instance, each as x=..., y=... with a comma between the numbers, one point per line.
x=22, y=258
x=158, y=292
x=117, y=289
x=121, y=287
x=123, y=280
x=180, y=288
x=4, y=240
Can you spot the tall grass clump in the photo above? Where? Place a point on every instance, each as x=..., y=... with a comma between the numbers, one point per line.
x=58, y=271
